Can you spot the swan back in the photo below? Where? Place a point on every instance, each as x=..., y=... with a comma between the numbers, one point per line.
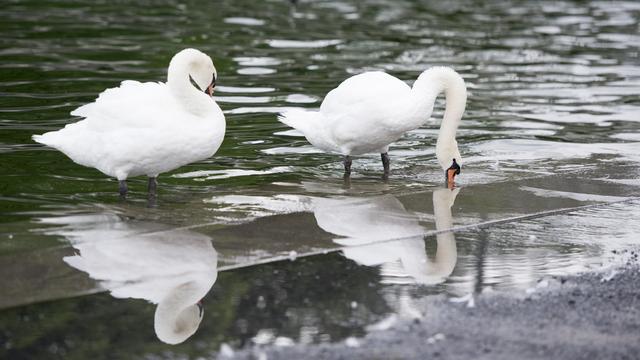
x=363, y=114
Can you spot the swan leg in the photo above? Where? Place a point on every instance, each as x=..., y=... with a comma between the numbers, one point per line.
x=122, y=188
x=153, y=186
x=347, y=166
x=347, y=182
x=385, y=164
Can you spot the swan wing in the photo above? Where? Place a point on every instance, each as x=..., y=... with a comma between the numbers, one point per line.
x=131, y=105
x=367, y=95
x=357, y=117
x=366, y=112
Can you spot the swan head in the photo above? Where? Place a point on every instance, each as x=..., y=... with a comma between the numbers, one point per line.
x=448, y=154
x=198, y=66
x=449, y=159
x=451, y=173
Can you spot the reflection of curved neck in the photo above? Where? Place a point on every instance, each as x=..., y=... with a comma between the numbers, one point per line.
x=369, y=224
x=446, y=254
x=429, y=85
x=177, y=316
x=443, y=200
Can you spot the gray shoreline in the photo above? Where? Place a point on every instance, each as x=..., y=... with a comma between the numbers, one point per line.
x=589, y=316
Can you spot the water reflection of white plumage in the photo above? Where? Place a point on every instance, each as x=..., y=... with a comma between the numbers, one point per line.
x=174, y=269
x=369, y=226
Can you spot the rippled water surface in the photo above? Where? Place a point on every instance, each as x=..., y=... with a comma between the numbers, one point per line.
x=292, y=252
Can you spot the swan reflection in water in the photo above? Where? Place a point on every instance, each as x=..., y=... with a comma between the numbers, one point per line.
x=369, y=226
x=174, y=269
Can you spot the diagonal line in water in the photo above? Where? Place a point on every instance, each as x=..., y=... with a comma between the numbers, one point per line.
x=489, y=223
x=273, y=259
x=403, y=193
x=454, y=229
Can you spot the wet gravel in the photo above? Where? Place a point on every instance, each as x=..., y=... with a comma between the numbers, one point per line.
x=591, y=316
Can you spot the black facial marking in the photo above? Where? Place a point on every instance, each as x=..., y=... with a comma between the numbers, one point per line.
x=455, y=166
x=200, y=308
x=194, y=83
x=212, y=85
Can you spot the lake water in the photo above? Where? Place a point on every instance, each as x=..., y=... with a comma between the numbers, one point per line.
x=550, y=184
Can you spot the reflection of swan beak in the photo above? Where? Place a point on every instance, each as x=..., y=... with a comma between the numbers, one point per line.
x=200, y=307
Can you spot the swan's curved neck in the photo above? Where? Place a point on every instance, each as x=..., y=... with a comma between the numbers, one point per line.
x=180, y=86
x=425, y=90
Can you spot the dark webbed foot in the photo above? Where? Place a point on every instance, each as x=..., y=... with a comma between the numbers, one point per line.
x=347, y=166
x=122, y=188
x=385, y=165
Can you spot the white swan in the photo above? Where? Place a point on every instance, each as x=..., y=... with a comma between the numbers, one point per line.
x=147, y=128
x=369, y=111
x=369, y=224
x=174, y=269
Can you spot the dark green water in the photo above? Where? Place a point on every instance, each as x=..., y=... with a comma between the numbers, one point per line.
x=552, y=122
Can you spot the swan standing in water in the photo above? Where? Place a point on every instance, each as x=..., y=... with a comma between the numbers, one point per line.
x=174, y=269
x=147, y=128
x=369, y=111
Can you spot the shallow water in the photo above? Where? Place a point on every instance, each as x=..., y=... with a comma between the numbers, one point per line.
x=552, y=122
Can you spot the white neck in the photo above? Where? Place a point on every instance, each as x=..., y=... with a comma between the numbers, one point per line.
x=192, y=99
x=425, y=90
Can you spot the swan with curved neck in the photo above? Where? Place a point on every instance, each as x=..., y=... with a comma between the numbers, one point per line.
x=187, y=67
x=147, y=128
x=369, y=111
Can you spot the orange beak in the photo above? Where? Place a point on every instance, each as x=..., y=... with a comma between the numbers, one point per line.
x=210, y=90
x=451, y=174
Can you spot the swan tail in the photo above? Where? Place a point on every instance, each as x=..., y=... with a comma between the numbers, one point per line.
x=73, y=142
x=57, y=139
x=82, y=111
x=45, y=139
x=299, y=119
x=39, y=139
